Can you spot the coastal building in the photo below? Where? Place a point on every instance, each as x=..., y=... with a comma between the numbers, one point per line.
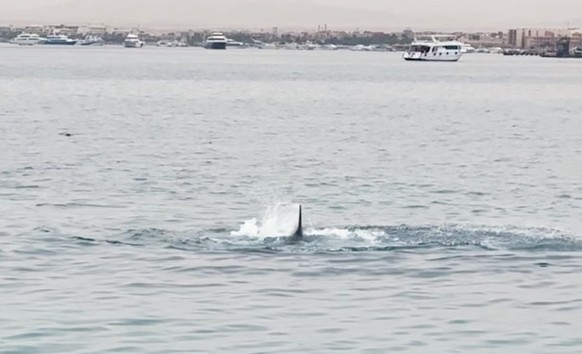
x=122, y=31
x=484, y=40
x=96, y=30
x=530, y=38
x=35, y=29
x=62, y=29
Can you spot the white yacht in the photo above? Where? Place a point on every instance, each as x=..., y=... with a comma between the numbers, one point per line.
x=27, y=39
x=434, y=48
x=133, y=41
x=216, y=40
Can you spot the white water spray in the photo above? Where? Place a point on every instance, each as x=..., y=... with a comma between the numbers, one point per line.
x=277, y=220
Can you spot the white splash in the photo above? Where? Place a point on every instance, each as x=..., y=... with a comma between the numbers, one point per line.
x=366, y=235
x=277, y=220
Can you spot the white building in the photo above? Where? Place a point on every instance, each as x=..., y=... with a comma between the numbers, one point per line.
x=99, y=30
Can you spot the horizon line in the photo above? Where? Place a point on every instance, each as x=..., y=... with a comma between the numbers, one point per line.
x=267, y=28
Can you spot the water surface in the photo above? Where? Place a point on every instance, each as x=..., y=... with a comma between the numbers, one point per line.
x=442, y=202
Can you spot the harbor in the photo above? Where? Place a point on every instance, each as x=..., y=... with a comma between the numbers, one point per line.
x=548, y=43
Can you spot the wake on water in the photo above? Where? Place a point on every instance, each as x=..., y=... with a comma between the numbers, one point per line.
x=270, y=233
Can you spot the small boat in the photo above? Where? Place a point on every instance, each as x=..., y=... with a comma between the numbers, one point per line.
x=59, y=39
x=165, y=43
x=133, y=41
x=577, y=52
x=381, y=48
x=171, y=44
x=92, y=40
x=330, y=47
x=258, y=44
x=216, y=40
x=434, y=48
x=310, y=46
x=467, y=48
x=27, y=39
x=231, y=43
x=361, y=48
x=563, y=50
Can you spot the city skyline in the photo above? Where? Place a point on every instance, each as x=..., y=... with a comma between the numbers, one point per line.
x=337, y=14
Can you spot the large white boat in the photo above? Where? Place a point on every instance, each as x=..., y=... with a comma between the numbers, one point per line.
x=216, y=40
x=434, y=48
x=133, y=41
x=27, y=39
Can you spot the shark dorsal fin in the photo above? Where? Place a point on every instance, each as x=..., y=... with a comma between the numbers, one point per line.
x=298, y=234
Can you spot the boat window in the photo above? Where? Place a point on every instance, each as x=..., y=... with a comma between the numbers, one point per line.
x=452, y=47
x=420, y=48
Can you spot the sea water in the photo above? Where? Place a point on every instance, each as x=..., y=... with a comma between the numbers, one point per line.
x=144, y=193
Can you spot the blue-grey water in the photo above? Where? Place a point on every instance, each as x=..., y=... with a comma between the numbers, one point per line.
x=442, y=202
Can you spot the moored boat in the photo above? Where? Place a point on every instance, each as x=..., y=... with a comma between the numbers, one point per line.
x=433, y=48
x=26, y=39
x=132, y=41
x=92, y=41
x=216, y=40
x=59, y=39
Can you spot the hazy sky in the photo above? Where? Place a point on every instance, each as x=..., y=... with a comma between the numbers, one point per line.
x=375, y=14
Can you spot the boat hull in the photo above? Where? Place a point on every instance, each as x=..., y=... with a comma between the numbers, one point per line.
x=415, y=56
x=60, y=43
x=133, y=44
x=215, y=45
x=25, y=43
x=420, y=59
x=92, y=44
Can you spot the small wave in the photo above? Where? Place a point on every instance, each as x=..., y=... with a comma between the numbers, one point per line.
x=79, y=205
